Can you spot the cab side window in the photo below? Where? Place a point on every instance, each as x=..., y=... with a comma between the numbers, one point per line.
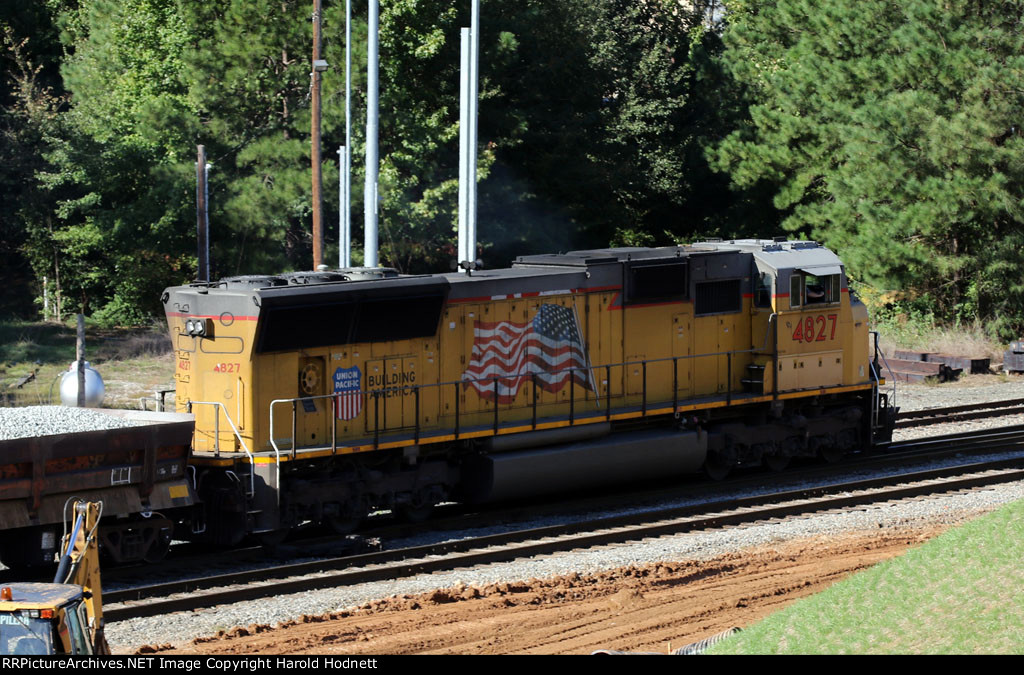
x=796, y=290
x=824, y=289
x=763, y=290
x=808, y=289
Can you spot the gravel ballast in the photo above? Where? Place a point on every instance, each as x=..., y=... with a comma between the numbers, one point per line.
x=942, y=510
x=946, y=509
x=969, y=390
x=183, y=626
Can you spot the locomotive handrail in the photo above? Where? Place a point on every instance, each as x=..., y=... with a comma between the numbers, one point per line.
x=273, y=441
x=875, y=412
x=415, y=390
x=879, y=352
x=241, y=441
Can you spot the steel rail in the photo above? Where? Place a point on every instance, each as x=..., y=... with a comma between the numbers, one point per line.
x=293, y=578
x=960, y=413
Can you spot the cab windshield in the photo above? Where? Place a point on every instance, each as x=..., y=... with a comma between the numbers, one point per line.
x=21, y=634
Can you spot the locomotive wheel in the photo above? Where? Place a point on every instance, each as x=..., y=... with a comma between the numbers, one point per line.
x=343, y=524
x=716, y=467
x=350, y=518
x=415, y=514
x=831, y=454
x=273, y=537
x=776, y=462
x=421, y=507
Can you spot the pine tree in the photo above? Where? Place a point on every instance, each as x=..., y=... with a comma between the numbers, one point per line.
x=892, y=132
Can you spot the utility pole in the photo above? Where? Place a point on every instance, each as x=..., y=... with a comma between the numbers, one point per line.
x=318, y=67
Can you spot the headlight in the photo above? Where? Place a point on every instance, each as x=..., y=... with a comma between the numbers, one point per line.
x=195, y=327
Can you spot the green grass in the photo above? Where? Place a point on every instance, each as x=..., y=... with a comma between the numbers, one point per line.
x=960, y=593
x=133, y=363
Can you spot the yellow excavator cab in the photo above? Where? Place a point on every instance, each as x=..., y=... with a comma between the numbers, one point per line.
x=44, y=619
x=65, y=617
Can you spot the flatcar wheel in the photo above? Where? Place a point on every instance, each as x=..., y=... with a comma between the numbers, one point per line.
x=161, y=545
x=716, y=467
x=776, y=462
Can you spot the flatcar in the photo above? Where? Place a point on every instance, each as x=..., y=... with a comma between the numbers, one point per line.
x=138, y=472
x=321, y=396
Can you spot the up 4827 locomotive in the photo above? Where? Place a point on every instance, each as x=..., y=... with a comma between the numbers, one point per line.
x=319, y=396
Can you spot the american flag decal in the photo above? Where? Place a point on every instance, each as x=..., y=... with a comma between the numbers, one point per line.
x=346, y=390
x=548, y=346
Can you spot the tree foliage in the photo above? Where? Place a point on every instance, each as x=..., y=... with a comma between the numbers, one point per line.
x=888, y=130
x=892, y=132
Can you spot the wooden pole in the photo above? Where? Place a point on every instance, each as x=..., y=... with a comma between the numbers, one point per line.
x=318, y=227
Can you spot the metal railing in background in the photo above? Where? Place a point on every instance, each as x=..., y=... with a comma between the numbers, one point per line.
x=159, y=399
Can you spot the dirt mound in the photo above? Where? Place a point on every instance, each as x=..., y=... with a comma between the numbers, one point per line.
x=653, y=608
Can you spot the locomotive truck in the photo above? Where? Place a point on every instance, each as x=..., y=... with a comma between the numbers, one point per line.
x=320, y=396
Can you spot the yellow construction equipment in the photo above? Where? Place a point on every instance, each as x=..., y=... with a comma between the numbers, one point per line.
x=66, y=616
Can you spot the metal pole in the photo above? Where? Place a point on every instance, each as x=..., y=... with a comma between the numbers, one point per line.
x=473, y=94
x=206, y=217
x=464, y=131
x=372, y=161
x=347, y=169
x=343, y=231
x=202, y=226
x=318, y=228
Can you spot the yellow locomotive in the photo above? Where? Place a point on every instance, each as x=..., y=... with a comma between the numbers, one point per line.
x=319, y=396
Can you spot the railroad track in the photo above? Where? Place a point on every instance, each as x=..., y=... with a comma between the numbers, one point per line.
x=363, y=568
x=189, y=561
x=960, y=413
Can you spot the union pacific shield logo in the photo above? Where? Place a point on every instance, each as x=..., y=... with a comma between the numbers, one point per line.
x=346, y=390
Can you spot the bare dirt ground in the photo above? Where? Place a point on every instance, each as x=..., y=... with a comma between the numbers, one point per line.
x=653, y=608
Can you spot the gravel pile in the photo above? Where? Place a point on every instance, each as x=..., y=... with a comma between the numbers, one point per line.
x=47, y=420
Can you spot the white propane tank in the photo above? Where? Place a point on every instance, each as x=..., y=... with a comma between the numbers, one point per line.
x=94, y=388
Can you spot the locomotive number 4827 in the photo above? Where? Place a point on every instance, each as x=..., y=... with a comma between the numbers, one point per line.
x=816, y=328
